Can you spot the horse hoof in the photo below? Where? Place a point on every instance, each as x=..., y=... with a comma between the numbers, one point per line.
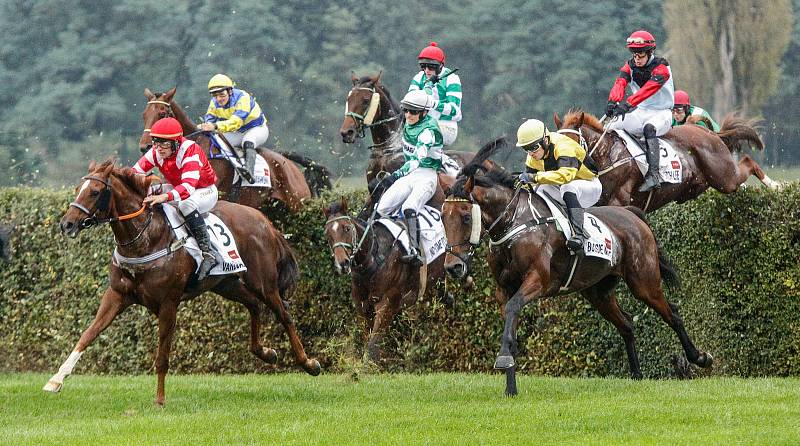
x=636, y=376
x=511, y=393
x=705, y=360
x=52, y=386
x=312, y=367
x=159, y=402
x=504, y=362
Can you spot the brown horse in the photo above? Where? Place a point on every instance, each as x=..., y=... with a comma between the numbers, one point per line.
x=529, y=259
x=160, y=277
x=385, y=124
x=289, y=185
x=706, y=157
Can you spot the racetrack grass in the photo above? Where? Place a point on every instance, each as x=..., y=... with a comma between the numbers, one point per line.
x=451, y=409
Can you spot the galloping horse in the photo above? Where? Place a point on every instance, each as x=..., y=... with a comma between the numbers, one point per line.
x=529, y=259
x=159, y=277
x=381, y=283
x=370, y=106
x=288, y=183
x=706, y=157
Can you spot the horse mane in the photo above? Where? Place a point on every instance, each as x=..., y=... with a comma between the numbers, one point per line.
x=369, y=81
x=736, y=129
x=470, y=169
x=573, y=116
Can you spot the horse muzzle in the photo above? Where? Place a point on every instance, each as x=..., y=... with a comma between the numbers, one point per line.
x=348, y=135
x=342, y=267
x=457, y=268
x=70, y=228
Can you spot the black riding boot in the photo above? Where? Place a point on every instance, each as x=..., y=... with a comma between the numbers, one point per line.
x=652, y=179
x=250, y=157
x=413, y=257
x=197, y=227
x=575, y=213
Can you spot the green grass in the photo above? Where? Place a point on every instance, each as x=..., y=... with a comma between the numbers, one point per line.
x=451, y=409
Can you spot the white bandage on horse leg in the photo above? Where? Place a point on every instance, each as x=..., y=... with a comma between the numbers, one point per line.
x=475, y=233
x=54, y=384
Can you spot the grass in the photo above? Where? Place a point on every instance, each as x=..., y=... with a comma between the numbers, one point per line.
x=398, y=409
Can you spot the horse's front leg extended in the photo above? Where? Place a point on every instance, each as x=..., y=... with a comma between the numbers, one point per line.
x=111, y=304
x=311, y=366
x=167, y=316
x=385, y=311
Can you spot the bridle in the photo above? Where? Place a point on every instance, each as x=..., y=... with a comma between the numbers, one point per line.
x=366, y=121
x=355, y=245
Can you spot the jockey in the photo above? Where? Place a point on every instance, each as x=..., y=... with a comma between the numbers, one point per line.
x=648, y=110
x=563, y=169
x=186, y=169
x=683, y=109
x=236, y=114
x=413, y=184
x=445, y=91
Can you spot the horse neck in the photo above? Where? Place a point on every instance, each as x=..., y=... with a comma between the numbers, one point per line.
x=126, y=201
x=186, y=122
x=363, y=257
x=496, y=204
x=386, y=132
x=602, y=154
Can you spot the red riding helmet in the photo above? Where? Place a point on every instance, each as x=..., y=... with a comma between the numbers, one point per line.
x=641, y=41
x=431, y=54
x=167, y=128
x=682, y=98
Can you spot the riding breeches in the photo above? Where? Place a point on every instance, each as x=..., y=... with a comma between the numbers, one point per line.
x=587, y=191
x=257, y=135
x=409, y=192
x=449, y=131
x=201, y=200
x=635, y=121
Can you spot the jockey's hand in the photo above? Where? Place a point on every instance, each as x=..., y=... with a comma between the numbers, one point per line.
x=610, y=108
x=155, y=199
x=622, y=108
x=525, y=179
x=434, y=79
x=207, y=127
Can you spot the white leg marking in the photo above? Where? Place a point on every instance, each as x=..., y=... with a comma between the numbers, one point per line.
x=57, y=381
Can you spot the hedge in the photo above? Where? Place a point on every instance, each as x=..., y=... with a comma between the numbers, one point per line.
x=737, y=254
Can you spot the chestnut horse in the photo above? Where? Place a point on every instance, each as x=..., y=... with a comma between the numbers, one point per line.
x=529, y=259
x=161, y=277
x=289, y=185
x=706, y=157
x=381, y=283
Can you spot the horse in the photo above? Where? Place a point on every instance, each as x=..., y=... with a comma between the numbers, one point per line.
x=369, y=105
x=381, y=284
x=706, y=157
x=289, y=185
x=154, y=274
x=529, y=259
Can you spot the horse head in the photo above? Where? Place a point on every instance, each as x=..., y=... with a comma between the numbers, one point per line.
x=159, y=105
x=366, y=102
x=342, y=234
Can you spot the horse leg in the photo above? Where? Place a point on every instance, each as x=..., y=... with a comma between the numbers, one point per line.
x=273, y=299
x=604, y=300
x=365, y=311
x=748, y=166
x=167, y=316
x=111, y=304
x=385, y=311
x=234, y=290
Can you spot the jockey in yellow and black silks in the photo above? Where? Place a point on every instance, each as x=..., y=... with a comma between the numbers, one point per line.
x=563, y=169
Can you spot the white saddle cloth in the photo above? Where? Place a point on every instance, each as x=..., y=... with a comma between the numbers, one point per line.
x=431, y=229
x=669, y=164
x=221, y=237
x=261, y=171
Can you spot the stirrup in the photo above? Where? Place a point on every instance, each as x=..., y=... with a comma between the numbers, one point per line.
x=650, y=182
x=575, y=244
x=244, y=173
x=412, y=259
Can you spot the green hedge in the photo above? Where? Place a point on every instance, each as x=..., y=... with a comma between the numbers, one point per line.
x=738, y=256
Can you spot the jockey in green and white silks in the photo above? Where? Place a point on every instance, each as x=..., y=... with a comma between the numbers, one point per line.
x=443, y=87
x=683, y=108
x=415, y=182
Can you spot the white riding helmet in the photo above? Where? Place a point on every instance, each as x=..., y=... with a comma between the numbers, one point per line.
x=417, y=100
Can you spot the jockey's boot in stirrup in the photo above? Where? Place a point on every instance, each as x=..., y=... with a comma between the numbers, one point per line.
x=413, y=257
x=575, y=213
x=652, y=179
x=197, y=227
x=250, y=158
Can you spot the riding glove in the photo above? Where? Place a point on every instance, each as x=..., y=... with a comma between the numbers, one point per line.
x=622, y=108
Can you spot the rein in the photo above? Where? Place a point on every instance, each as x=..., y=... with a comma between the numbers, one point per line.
x=354, y=246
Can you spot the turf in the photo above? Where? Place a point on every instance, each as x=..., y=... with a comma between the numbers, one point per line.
x=398, y=409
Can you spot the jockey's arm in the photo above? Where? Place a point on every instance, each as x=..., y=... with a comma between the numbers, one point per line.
x=617, y=93
x=566, y=172
x=451, y=105
x=146, y=163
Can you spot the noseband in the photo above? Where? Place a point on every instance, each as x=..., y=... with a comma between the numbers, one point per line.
x=344, y=245
x=102, y=205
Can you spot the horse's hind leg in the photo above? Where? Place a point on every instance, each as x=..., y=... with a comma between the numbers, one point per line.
x=603, y=298
x=234, y=290
x=273, y=299
x=748, y=166
x=111, y=304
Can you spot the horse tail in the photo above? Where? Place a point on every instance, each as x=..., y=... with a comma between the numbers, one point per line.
x=318, y=177
x=736, y=129
x=288, y=271
x=669, y=274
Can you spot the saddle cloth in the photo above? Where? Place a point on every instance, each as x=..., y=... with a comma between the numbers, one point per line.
x=261, y=171
x=431, y=229
x=221, y=241
x=450, y=166
x=669, y=164
x=601, y=242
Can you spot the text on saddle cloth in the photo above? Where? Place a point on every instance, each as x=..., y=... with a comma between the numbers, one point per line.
x=221, y=237
x=601, y=242
x=669, y=163
x=261, y=171
x=432, y=238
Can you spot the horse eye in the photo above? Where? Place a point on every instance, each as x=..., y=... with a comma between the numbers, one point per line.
x=94, y=193
x=347, y=229
x=467, y=218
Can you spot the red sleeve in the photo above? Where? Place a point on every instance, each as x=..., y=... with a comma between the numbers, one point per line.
x=146, y=163
x=618, y=90
x=190, y=173
x=657, y=79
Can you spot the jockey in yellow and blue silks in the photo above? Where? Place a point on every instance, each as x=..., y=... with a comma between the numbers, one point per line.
x=237, y=115
x=564, y=170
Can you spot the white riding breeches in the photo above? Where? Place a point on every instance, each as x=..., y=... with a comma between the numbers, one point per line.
x=257, y=135
x=201, y=200
x=635, y=121
x=409, y=192
x=449, y=131
x=587, y=191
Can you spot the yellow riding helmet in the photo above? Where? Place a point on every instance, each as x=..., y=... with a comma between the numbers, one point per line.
x=219, y=82
x=531, y=131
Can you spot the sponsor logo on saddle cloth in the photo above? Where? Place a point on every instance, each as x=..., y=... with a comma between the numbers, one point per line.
x=669, y=164
x=431, y=229
x=601, y=241
x=221, y=241
x=261, y=171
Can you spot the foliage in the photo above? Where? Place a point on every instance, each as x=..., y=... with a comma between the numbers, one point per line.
x=737, y=255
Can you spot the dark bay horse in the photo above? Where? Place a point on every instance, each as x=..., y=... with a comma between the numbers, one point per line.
x=535, y=262
x=707, y=161
x=384, y=118
x=381, y=283
x=114, y=195
x=289, y=185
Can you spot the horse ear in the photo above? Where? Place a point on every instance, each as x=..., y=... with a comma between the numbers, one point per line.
x=170, y=93
x=557, y=120
x=353, y=77
x=469, y=184
x=92, y=165
x=343, y=203
x=149, y=94
x=580, y=120
x=377, y=78
x=446, y=182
